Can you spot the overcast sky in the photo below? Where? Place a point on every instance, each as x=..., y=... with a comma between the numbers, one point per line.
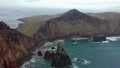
x=86, y=4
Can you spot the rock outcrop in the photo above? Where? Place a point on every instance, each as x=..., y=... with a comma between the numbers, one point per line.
x=14, y=47
x=61, y=58
x=48, y=55
x=99, y=38
x=39, y=53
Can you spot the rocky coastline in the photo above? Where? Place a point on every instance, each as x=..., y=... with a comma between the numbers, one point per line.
x=14, y=47
x=18, y=48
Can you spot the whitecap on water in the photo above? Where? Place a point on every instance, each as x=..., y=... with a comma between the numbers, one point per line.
x=33, y=60
x=96, y=42
x=83, y=61
x=24, y=65
x=79, y=38
x=75, y=66
x=105, y=42
x=74, y=42
x=86, y=62
x=48, y=43
x=59, y=41
x=113, y=38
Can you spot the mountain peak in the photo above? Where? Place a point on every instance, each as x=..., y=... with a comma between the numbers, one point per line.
x=73, y=11
x=74, y=14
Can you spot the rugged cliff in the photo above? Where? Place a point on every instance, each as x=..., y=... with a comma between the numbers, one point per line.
x=68, y=24
x=72, y=23
x=113, y=17
x=14, y=47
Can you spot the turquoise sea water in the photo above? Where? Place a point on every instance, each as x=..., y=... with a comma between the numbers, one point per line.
x=98, y=55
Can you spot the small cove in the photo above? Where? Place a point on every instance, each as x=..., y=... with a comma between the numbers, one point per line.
x=99, y=55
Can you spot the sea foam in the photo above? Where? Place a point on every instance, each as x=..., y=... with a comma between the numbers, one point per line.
x=83, y=61
x=113, y=38
x=105, y=41
x=79, y=38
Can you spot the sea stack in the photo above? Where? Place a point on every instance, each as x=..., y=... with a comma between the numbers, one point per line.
x=61, y=58
x=99, y=38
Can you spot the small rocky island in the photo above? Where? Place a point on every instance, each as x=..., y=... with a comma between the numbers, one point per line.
x=58, y=56
x=16, y=44
x=61, y=58
x=99, y=38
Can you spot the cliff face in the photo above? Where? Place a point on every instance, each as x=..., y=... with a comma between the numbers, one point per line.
x=112, y=17
x=73, y=23
x=14, y=47
x=106, y=15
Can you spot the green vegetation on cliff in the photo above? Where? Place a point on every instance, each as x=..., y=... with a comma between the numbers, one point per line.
x=32, y=24
x=71, y=23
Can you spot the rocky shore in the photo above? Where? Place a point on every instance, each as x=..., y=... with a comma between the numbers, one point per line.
x=16, y=46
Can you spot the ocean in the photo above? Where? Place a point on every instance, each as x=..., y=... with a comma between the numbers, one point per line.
x=96, y=55
x=11, y=15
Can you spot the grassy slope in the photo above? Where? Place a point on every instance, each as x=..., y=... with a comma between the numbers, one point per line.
x=77, y=28
x=31, y=24
x=106, y=15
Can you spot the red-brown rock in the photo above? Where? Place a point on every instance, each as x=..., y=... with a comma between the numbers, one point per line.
x=14, y=47
x=48, y=55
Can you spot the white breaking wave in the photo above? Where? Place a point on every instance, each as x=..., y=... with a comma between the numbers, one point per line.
x=79, y=38
x=28, y=63
x=86, y=62
x=59, y=41
x=75, y=66
x=113, y=38
x=74, y=42
x=33, y=60
x=102, y=42
x=105, y=41
x=96, y=42
x=48, y=47
x=108, y=39
x=83, y=61
x=48, y=43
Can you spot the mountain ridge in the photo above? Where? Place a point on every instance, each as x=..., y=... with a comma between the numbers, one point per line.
x=65, y=25
x=74, y=23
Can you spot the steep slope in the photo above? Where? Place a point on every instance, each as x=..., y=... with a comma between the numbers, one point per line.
x=68, y=24
x=32, y=24
x=14, y=47
x=106, y=15
x=113, y=17
x=71, y=23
